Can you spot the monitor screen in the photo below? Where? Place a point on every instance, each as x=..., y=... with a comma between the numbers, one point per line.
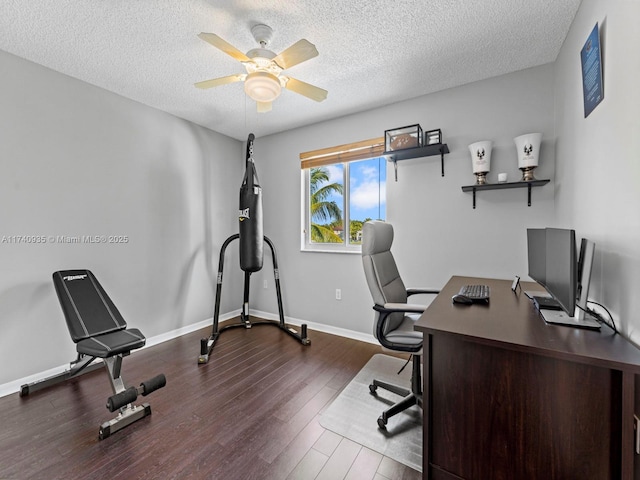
x=585, y=264
x=553, y=263
x=536, y=249
x=561, y=267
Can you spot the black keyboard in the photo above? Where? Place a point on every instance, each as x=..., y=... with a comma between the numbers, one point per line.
x=476, y=293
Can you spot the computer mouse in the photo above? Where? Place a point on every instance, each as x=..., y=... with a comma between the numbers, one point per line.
x=462, y=299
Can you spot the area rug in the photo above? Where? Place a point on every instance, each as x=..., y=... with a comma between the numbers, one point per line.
x=354, y=413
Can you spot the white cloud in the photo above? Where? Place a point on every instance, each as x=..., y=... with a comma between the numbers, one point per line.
x=369, y=173
x=364, y=188
x=335, y=173
x=368, y=195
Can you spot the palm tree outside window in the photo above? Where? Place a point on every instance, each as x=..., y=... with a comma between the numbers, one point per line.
x=325, y=206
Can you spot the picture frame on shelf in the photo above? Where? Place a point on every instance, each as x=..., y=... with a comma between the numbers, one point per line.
x=433, y=137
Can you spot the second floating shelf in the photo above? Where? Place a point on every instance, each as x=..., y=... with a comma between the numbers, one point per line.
x=499, y=186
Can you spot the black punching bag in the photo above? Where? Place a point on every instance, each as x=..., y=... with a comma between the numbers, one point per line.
x=250, y=216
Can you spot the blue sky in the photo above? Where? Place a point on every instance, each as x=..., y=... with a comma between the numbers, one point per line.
x=365, y=195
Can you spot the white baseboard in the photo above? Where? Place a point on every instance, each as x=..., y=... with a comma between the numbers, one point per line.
x=163, y=337
x=341, y=332
x=14, y=386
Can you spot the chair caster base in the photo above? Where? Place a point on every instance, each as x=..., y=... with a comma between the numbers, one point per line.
x=382, y=423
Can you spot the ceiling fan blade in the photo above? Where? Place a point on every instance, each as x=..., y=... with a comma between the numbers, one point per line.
x=306, y=89
x=264, y=107
x=297, y=53
x=223, y=45
x=216, y=82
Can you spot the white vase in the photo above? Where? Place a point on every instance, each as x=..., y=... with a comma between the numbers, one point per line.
x=528, y=152
x=481, y=159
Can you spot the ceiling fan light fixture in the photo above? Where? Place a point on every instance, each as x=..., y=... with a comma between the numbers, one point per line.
x=263, y=81
x=262, y=86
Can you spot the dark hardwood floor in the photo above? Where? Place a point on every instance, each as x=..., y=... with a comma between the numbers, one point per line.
x=250, y=413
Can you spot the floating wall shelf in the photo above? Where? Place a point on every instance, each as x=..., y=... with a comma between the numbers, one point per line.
x=417, y=152
x=499, y=186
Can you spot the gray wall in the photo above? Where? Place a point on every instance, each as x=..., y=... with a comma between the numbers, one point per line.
x=78, y=160
x=598, y=164
x=438, y=233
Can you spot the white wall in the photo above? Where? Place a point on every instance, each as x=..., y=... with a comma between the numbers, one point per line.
x=438, y=233
x=78, y=160
x=598, y=165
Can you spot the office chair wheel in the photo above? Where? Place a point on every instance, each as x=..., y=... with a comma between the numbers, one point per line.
x=372, y=389
x=382, y=423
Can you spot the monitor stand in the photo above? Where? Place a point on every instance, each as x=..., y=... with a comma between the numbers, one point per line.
x=560, y=317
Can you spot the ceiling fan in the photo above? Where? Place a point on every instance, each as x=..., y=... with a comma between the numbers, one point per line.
x=263, y=81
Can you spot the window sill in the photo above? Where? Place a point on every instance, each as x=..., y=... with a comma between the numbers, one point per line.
x=328, y=250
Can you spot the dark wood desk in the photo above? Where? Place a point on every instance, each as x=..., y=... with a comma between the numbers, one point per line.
x=507, y=396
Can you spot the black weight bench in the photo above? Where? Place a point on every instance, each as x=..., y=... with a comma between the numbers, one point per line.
x=99, y=331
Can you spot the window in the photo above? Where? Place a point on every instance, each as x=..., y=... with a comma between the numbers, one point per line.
x=342, y=188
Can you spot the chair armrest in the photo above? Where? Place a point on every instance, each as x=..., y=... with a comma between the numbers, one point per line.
x=401, y=307
x=416, y=291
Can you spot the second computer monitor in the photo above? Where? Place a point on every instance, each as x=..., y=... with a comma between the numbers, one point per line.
x=585, y=264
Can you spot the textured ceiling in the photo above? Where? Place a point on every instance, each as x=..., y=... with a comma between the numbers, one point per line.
x=372, y=52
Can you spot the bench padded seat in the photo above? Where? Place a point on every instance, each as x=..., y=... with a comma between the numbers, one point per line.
x=114, y=343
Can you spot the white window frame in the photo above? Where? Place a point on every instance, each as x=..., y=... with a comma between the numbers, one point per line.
x=307, y=245
x=305, y=242
x=344, y=154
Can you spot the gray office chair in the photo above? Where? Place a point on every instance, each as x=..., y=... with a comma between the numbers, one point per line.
x=394, y=317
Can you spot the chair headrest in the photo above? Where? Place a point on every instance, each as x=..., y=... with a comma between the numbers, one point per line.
x=377, y=236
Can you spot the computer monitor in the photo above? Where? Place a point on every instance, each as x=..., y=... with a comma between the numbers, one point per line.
x=561, y=266
x=585, y=264
x=536, y=250
x=553, y=264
